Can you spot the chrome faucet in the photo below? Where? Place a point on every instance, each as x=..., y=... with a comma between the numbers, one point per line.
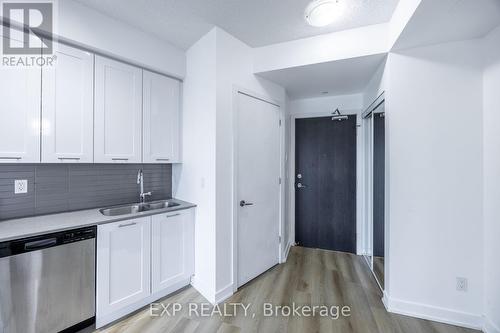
x=140, y=181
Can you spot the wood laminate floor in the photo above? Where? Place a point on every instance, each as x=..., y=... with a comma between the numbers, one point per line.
x=309, y=277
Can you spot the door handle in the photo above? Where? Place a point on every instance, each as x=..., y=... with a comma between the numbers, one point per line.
x=300, y=185
x=243, y=203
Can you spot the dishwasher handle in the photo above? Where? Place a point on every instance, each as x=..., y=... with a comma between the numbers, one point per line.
x=40, y=244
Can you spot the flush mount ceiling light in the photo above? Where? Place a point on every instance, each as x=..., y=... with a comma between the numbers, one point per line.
x=320, y=13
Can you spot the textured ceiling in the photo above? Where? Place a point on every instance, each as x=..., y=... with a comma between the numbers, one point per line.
x=255, y=22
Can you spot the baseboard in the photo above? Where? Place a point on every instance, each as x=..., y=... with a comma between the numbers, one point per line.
x=224, y=293
x=385, y=300
x=287, y=251
x=203, y=289
x=489, y=326
x=428, y=312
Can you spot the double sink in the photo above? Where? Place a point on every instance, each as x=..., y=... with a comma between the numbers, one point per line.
x=137, y=208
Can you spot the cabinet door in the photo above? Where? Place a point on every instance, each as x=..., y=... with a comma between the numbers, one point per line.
x=118, y=112
x=67, y=107
x=172, y=248
x=20, y=113
x=123, y=264
x=161, y=119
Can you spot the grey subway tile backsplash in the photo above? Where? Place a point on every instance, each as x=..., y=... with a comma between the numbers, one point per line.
x=54, y=188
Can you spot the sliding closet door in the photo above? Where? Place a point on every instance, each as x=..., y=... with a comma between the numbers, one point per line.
x=374, y=189
x=368, y=188
x=379, y=194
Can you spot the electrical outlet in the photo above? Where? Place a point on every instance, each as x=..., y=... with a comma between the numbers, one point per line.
x=20, y=186
x=462, y=284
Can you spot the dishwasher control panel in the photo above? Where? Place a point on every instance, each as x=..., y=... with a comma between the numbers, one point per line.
x=79, y=235
x=35, y=243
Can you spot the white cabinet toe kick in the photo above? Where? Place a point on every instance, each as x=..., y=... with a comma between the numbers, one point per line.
x=142, y=260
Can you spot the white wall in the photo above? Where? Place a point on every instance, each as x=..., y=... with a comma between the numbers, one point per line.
x=234, y=69
x=194, y=179
x=376, y=86
x=339, y=45
x=491, y=126
x=96, y=31
x=434, y=120
x=321, y=105
x=215, y=66
x=400, y=18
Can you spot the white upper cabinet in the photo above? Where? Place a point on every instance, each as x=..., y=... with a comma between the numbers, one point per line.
x=67, y=107
x=161, y=118
x=118, y=112
x=19, y=114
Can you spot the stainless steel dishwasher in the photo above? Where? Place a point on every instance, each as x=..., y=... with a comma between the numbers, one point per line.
x=47, y=283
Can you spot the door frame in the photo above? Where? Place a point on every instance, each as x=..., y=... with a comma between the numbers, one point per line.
x=359, y=172
x=280, y=244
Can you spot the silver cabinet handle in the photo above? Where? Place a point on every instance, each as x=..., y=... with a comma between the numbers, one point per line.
x=119, y=159
x=10, y=158
x=126, y=225
x=69, y=158
x=173, y=215
x=163, y=159
x=243, y=203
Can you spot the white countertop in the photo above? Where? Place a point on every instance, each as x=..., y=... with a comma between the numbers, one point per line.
x=43, y=224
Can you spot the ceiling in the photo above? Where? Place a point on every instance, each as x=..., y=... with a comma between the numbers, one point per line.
x=339, y=77
x=255, y=22
x=442, y=21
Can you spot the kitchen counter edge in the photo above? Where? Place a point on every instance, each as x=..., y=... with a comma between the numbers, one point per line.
x=45, y=224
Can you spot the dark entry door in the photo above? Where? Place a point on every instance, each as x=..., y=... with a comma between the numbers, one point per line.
x=325, y=183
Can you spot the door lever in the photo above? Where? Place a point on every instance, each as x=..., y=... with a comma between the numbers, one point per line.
x=300, y=185
x=243, y=203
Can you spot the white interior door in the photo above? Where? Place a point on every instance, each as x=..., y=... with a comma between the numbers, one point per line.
x=258, y=188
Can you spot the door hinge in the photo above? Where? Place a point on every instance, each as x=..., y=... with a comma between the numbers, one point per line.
x=279, y=180
x=280, y=122
x=279, y=239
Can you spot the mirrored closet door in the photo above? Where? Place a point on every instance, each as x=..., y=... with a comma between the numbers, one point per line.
x=374, y=212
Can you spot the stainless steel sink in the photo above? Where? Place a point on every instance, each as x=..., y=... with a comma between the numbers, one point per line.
x=137, y=208
x=161, y=204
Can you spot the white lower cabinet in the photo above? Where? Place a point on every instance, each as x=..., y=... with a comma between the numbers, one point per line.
x=173, y=246
x=123, y=265
x=142, y=260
